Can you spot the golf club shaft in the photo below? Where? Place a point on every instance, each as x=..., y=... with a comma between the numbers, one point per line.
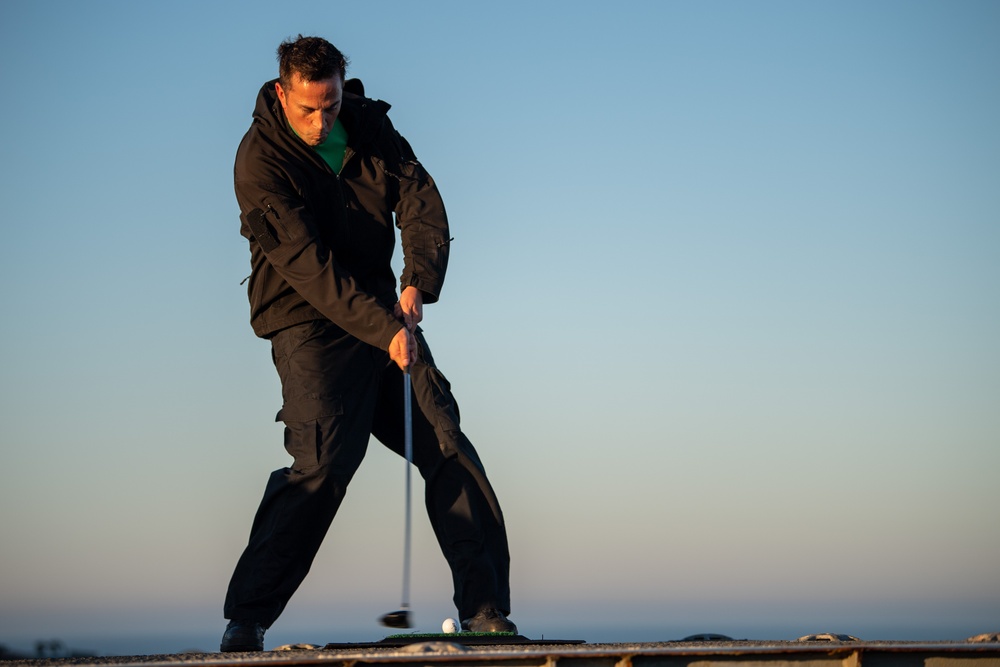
x=408, y=452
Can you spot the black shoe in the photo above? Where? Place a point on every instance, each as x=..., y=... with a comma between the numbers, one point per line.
x=488, y=620
x=243, y=636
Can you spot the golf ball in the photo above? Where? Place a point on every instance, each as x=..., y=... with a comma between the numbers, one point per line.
x=449, y=626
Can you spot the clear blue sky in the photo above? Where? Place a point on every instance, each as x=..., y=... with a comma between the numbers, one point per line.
x=723, y=313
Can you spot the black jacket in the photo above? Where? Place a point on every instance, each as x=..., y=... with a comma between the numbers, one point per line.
x=321, y=244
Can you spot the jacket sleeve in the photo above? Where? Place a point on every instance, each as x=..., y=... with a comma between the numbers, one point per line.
x=285, y=230
x=423, y=225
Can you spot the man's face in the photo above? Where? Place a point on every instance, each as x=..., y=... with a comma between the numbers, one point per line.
x=311, y=106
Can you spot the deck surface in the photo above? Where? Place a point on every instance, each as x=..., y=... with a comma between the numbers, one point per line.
x=822, y=653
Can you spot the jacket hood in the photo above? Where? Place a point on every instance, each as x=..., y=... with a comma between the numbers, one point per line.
x=268, y=109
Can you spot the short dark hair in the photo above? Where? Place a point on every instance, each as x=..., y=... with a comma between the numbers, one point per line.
x=312, y=58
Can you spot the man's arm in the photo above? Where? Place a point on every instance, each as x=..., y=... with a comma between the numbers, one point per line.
x=287, y=234
x=423, y=224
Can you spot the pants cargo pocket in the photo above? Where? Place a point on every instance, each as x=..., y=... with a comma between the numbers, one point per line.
x=308, y=428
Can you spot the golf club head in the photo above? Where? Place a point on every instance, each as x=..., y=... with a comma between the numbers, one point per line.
x=396, y=619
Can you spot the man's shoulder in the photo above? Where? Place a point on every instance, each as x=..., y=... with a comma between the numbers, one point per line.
x=263, y=159
x=266, y=143
x=253, y=147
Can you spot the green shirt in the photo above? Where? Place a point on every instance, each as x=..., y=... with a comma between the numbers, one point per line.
x=332, y=150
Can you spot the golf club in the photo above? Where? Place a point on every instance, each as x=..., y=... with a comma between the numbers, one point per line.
x=401, y=618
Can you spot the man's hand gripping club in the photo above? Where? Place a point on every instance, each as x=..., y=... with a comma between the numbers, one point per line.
x=409, y=309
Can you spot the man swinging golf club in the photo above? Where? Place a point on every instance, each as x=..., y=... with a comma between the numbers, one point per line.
x=322, y=179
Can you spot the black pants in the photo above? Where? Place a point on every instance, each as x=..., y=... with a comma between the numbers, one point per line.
x=337, y=391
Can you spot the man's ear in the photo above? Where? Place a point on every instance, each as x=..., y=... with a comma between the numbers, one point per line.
x=280, y=92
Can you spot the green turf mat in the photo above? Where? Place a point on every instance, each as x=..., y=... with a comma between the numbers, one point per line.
x=438, y=635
